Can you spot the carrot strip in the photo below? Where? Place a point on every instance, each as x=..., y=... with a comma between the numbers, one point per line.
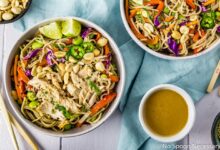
x=202, y=33
x=22, y=75
x=168, y=19
x=152, y=2
x=191, y=31
x=21, y=88
x=133, y=12
x=126, y=9
x=192, y=23
x=196, y=37
x=208, y=2
x=68, y=41
x=153, y=41
x=15, y=76
x=114, y=78
x=106, y=49
x=66, y=49
x=131, y=24
x=180, y=47
x=191, y=4
x=43, y=62
x=135, y=31
x=160, y=6
x=102, y=103
x=98, y=36
x=196, y=50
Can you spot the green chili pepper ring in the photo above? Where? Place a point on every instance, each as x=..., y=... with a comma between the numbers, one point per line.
x=207, y=22
x=77, y=52
x=88, y=46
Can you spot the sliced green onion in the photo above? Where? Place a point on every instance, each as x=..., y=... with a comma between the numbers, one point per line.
x=31, y=96
x=33, y=104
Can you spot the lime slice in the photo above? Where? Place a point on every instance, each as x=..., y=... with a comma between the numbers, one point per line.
x=71, y=28
x=52, y=31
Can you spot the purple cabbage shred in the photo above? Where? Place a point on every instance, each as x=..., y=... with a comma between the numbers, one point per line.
x=86, y=32
x=32, y=54
x=173, y=46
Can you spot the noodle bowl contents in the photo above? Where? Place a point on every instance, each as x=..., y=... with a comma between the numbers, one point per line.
x=64, y=76
x=174, y=27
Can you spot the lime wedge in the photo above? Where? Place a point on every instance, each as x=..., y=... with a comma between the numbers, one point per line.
x=52, y=31
x=71, y=28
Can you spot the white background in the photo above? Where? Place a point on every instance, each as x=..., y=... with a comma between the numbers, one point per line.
x=105, y=137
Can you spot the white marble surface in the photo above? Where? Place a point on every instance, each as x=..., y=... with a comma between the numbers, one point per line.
x=106, y=136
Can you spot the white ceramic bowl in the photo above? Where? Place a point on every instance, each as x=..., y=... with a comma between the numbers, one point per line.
x=191, y=114
x=76, y=131
x=122, y=9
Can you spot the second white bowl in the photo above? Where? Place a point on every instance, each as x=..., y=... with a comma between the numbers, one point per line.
x=191, y=114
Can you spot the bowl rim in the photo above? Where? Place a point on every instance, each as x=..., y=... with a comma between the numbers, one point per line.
x=17, y=17
x=112, y=108
x=157, y=54
x=191, y=114
x=216, y=121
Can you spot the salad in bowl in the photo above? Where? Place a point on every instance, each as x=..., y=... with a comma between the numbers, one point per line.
x=173, y=29
x=66, y=75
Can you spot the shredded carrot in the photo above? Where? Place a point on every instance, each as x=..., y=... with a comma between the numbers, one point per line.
x=191, y=4
x=114, y=78
x=208, y=2
x=152, y=2
x=127, y=9
x=21, y=88
x=133, y=12
x=191, y=31
x=107, y=49
x=43, y=62
x=168, y=19
x=66, y=49
x=134, y=29
x=98, y=36
x=153, y=41
x=180, y=47
x=196, y=37
x=160, y=6
x=202, y=33
x=15, y=76
x=196, y=50
x=22, y=75
x=131, y=24
x=102, y=103
x=19, y=85
x=69, y=41
x=192, y=23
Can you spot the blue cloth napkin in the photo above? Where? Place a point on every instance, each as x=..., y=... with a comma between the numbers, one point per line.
x=143, y=70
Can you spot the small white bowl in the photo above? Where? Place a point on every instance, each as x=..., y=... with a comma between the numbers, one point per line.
x=191, y=114
x=157, y=54
x=117, y=58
